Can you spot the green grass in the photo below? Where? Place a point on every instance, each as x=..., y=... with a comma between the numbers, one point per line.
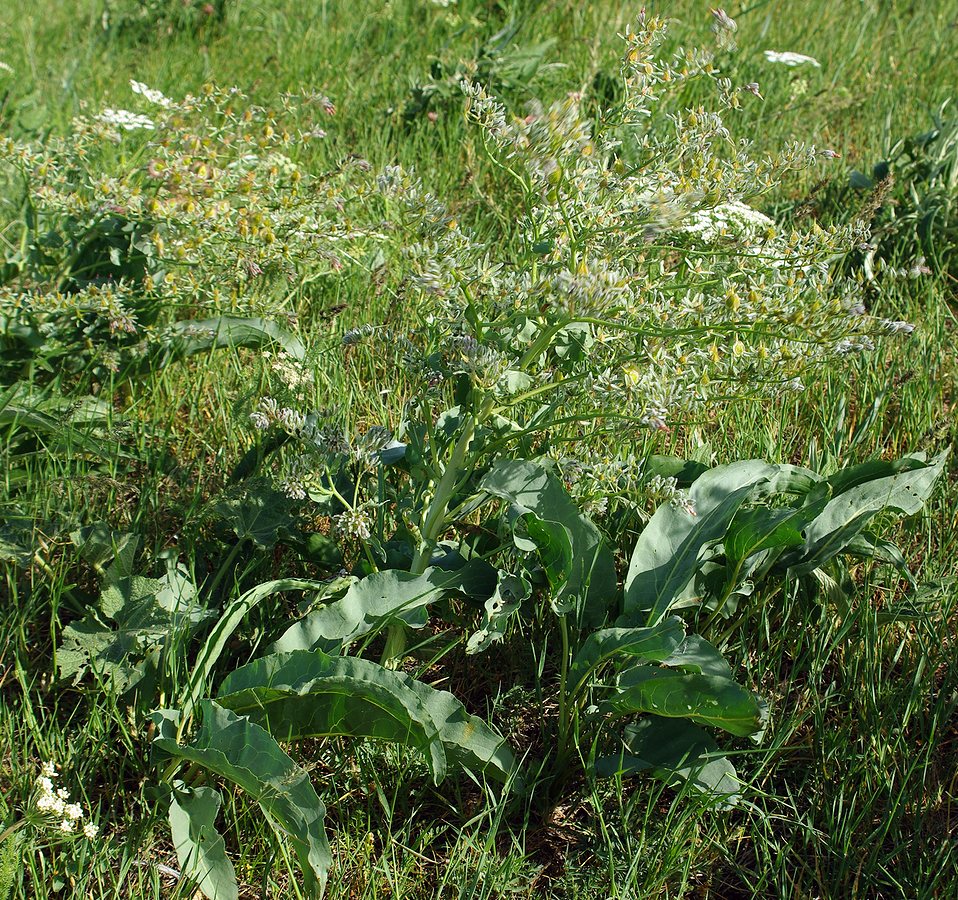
x=852, y=792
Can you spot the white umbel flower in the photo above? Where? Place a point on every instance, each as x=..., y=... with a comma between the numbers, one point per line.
x=123, y=118
x=151, y=94
x=787, y=58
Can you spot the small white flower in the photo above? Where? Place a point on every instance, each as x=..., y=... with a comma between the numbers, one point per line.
x=90, y=830
x=787, y=58
x=49, y=803
x=151, y=94
x=63, y=794
x=123, y=118
x=73, y=811
x=355, y=523
x=897, y=327
x=67, y=826
x=49, y=770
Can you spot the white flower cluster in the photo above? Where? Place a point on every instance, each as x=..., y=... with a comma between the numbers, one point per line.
x=54, y=803
x=271, y=413
x=123, y=118
x=787, y=58
x=733, y=218
x=154, y=96
x=291, y=372
x=355, y=523
x=666, y=490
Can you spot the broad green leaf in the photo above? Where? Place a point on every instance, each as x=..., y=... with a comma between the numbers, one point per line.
x=111, y=553
x=511, y=590
x=232, y=616
x=667, y=553
x=675, y=751
x=259, y=514
x=762, y=528
x=874, y=469
x=308, y=694
x=244, y=753
x=591, y=578
x=54, y=418
x=874, y=549
x=513, y=382
x=654, y=644
x=17, y=545
x=380, y=598
x=553, y=542
x=684, y=471
x=706, y=699
x=697, y=655
x=846, y=515
x=136, y=618
x=200, y=848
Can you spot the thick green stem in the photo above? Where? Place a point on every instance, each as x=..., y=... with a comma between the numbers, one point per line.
x=436, y=520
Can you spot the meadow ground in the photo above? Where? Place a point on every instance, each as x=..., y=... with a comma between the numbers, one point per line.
x=852, y=790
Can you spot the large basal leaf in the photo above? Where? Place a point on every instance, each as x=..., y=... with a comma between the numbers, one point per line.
x=695, y=654
x=590, y=579
x=667, y=553
x=677, y=752
x=653, y=644
x=706, y=699
x=763, y=528
x=229, y=621
x=874, y=549
x=242, y=752
x=136, y=617
x=74, y=425
x=853, y=476
x=380, y=598
x=111, y=553
x=846, y=515
x=553, y=542
x=200, y=848
x=306, y=694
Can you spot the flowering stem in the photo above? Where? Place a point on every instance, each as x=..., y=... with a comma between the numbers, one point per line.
x=436, y=519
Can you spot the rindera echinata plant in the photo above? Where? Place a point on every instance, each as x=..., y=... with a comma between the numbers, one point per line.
x=638, y=285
